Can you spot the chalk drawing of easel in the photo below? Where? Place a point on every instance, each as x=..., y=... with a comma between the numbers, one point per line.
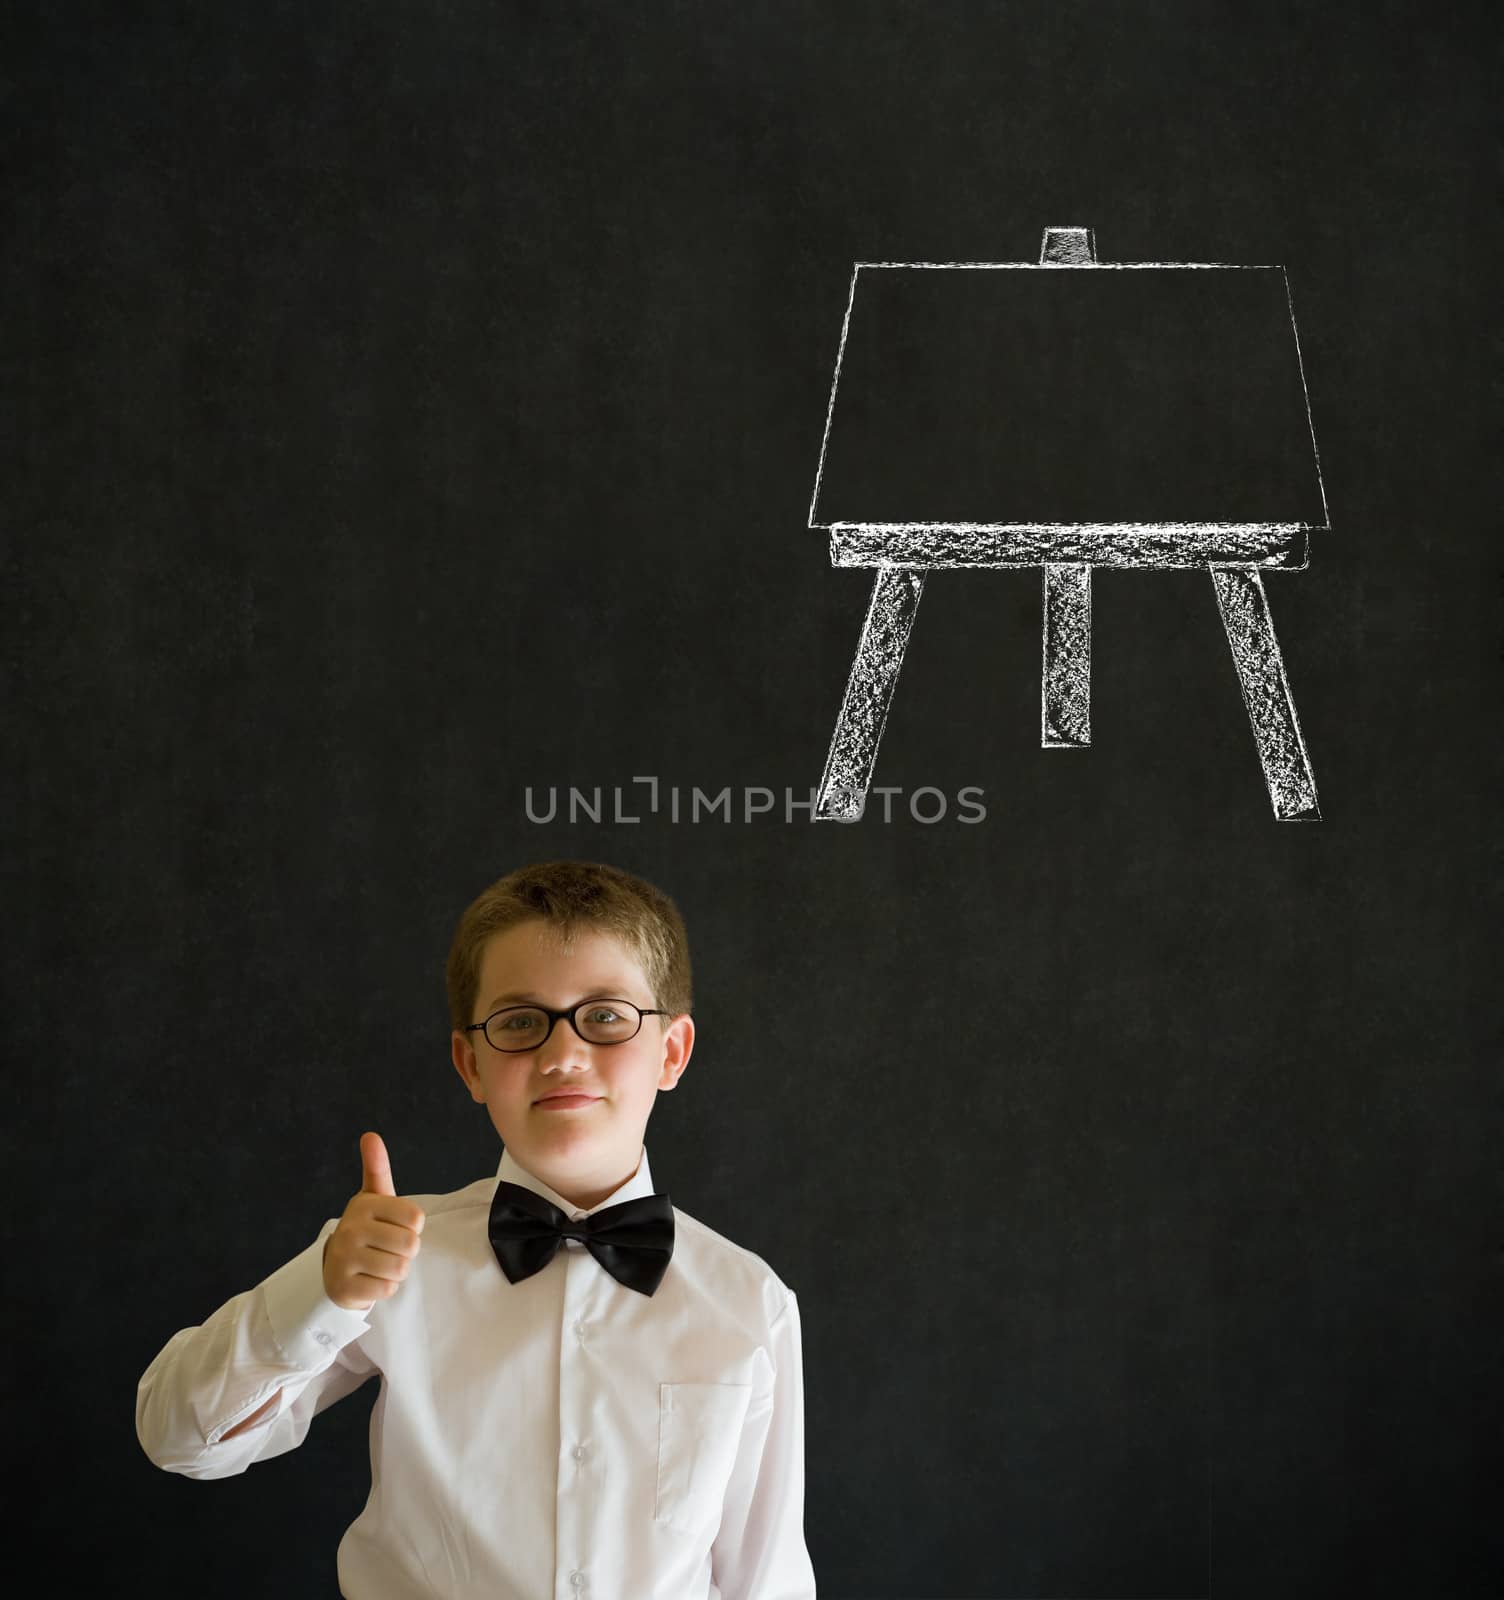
x=1022, y=414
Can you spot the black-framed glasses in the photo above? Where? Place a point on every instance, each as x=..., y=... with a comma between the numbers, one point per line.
x=596, y=1022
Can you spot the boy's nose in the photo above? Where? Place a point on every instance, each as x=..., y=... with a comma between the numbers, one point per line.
x=563, y=1048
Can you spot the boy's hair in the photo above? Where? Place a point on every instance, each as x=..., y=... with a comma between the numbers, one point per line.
x=569, y=895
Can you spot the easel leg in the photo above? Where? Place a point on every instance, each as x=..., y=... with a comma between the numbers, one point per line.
x=1266, y=693
x=869, y=693
x=1065, y=696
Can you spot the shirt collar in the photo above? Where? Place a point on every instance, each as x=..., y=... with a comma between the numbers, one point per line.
x=640, y=1183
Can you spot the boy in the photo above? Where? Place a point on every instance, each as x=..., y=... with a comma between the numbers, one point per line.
x=585, y=1393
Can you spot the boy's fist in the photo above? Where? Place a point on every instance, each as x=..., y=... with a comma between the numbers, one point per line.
x=371, y=1250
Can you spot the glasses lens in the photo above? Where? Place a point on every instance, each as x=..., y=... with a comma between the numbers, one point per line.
x=519, y=1028
x=607, y=1021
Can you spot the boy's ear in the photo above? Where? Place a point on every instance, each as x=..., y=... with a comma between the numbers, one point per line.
x=463, y=1056
x=678, y=1044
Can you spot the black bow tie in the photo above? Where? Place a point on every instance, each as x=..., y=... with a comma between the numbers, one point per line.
x=632, y=1240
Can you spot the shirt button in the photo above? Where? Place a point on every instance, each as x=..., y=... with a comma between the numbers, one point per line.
x=577, y=1579
x=324, y=1338
x=579, y=1330
x=579, y=1452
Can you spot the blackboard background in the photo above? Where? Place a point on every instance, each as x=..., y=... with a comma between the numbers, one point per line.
x=407, y=404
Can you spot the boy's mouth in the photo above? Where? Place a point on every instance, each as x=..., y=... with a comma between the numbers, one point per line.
x=563, y=1102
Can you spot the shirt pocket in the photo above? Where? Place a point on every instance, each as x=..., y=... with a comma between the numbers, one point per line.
x=699, y=1429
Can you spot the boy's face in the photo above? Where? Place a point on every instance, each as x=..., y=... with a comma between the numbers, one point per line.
x=584, y=1152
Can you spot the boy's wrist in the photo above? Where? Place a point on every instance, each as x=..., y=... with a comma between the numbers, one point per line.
x=309, y=1327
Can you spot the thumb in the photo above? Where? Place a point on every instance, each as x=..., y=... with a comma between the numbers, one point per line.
x=375, y=1167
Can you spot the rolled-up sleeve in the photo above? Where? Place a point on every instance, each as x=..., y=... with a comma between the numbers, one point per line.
x=284, y=1335
x=760, y=1552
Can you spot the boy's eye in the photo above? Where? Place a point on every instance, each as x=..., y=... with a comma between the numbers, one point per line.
x=520, y=1021
x=602, y=1014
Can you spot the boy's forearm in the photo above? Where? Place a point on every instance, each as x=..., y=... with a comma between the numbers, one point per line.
x=253, y=1419
x=260, y=1348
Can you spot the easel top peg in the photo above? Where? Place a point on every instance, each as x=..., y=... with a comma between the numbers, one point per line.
x=1067, y=247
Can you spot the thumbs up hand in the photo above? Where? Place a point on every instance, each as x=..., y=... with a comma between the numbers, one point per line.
x=372, y=1249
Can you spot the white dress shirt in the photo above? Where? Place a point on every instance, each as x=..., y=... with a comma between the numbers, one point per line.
x=561, y=1438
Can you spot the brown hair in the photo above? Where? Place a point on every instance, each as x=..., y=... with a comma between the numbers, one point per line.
x=568, y=895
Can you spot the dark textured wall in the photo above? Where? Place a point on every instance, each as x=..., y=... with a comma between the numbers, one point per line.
x=411, y=404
